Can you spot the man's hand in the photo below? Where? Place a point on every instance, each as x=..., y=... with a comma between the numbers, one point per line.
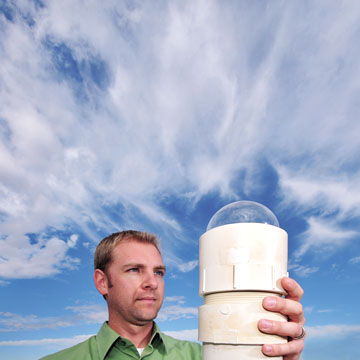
x=290, y=307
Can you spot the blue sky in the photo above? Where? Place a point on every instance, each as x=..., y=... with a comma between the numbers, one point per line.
x=152, y=116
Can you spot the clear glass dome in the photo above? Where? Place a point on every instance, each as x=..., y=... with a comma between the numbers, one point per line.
x=243, y=212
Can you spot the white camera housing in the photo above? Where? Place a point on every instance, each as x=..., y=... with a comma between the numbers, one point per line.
x=240, y=264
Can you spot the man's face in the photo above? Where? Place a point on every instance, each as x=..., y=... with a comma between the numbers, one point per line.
x=135, y=282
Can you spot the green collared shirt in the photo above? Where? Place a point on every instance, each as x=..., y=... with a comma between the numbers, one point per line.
x=109, y=345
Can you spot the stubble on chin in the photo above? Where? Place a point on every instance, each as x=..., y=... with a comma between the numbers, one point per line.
x=147, y=315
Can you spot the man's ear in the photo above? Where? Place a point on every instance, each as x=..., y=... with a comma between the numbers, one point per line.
x=101, y=282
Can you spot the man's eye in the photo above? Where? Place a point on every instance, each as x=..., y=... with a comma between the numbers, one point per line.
x=160, y=273
x=133, y=270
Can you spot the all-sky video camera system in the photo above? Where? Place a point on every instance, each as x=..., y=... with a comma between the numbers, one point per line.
x=243, y=256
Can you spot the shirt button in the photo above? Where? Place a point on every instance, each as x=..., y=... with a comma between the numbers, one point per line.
x=123, y=343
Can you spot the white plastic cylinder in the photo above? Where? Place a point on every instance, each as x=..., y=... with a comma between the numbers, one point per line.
x=234, y=352
x=240, y=264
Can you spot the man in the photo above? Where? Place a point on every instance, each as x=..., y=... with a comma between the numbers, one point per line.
x=129, y=273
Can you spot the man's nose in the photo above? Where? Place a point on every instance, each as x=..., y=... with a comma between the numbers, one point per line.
x=150, y=281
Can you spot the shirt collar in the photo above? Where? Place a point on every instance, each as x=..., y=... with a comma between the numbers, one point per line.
x=106, y=338
x=157, y=334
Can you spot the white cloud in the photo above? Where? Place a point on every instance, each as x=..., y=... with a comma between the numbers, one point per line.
x=179, y=107
x=178, y=299
x=323, y=236
x=308, y=309
x=21, y=259
x=58, y=174
x=72, y=240
x=330, y=331
x=17, y=322
x=326, y=191
x=336, y=200
x=354, y=260
x=174, y=312
x=322, y=311
x=311, y=309
x=90, y=313
x=188, y=266
x=4, y=283
x=61, y=342
x=303, y=271
x=83, y=314
x=189, y=335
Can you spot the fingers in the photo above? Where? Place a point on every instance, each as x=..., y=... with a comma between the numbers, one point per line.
x=286, y=329
x=294, y=290
x=290, y=308
x=290, y=350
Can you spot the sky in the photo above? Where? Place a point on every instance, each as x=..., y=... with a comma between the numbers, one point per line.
x=152, y=115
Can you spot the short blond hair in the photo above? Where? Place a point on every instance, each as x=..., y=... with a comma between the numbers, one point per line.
x=103, y=252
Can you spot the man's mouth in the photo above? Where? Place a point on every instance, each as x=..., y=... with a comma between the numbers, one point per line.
x=147, y=299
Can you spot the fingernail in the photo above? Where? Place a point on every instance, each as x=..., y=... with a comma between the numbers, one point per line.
x=267, y=349
x=270, y=302
x=265, y=324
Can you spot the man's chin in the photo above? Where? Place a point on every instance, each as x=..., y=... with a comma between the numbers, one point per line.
x=146, y=317
x=142, y=321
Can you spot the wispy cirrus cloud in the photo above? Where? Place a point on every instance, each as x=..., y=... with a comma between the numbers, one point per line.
x=44, y=258
x=302, y=270
x=188, y=266
x=189, y=335
x=324, y=311
x=95, y=132
x=355, y=260
x=324, y=236
x=332, y=330
x=17, y=322
x=60, y=342
x=177, y=299
x=175, y=312
x=88, y=314
x=4, y=283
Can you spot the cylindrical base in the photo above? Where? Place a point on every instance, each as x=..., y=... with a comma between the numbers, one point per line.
x=234, y=352
x=232, y=318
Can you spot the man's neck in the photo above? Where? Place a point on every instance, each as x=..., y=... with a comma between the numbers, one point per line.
x=139, y=335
